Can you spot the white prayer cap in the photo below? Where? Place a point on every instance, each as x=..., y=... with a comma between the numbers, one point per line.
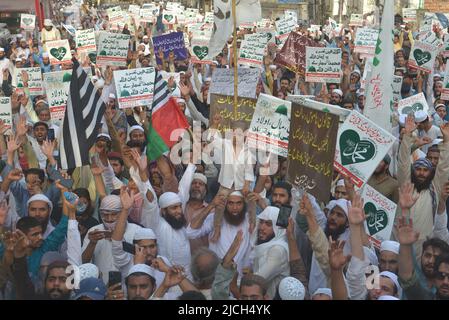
x=440, y=105
x=104, y=135
x=111, y=96
x=19, y=36
x=420, y=116
x=291, y=289
x=273, y=67
x=356, y=71
x=46, y=55
x=40, y=197
x=330, y=205
x=208, y=79
x=340, y=183
x=99, y=84
x=338, y=91
x=402, y=118
x=394, y=278
x=18, y=59
x=201, y=177
x=47, y=23
x=41, y=101
x=181, y=100
x=145, y=37
x=237, y=194
x=94, y=78
x=168, y=199
x=2, y=49
x=143, y=268
x=136, y=127
x=343, y=204
x=88, y=270
x=111, y=203
x=387, y=297
x=388, y=245
x=437, y=75
x=371, y=255
x=326, y=291
x=360, y=92
x=145, y=234
x=23, y=40
x=437, y=141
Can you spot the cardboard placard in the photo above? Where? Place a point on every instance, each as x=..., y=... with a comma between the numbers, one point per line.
x=413, y=104
x=223, y=82
x=422, y=56
x=134, y=87
x=170, y=42
x=252, y=49
x=57, y=87
x=35, y=85
x=112, y=49
x=323, y=65
x=59, y=51
x=6, y=112
x=27, y=21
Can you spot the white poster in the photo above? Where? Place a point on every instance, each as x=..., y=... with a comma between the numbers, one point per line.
x=27, y=21
x=365, y=41
x=413, y=104
x=34, y=80
x=6, y=112
x=57, y=87
x=134, y=87
x=252, y=49
x=112, y=49
x=59, y=51
x=323, y=64
x=422, y=56
x=270, y=126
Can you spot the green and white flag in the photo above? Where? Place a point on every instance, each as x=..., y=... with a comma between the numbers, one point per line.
x=379, y=96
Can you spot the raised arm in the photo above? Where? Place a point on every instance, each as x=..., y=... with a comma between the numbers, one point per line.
x=442, y=170
x=337, y=262
x=404, y=162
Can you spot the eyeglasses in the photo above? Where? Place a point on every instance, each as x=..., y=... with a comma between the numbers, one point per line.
x=441, y=275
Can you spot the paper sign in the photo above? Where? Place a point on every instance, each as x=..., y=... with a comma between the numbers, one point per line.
x=445, y=51
x=270, y=126
x=413, y=104
x=59, y=51
x=396, y=86
x=264, y=23
x=209, y=17
x=252, y=49
x=380, y=214
x=199, y=51
x=134, y=9
x=356, y=20
x=422, y=56
x=222, y=111
x=134, y=87
x=27, y=21
x=116, y=16
x=408, y=15
x=365, y=41
x=445, y=92
x=223, y=82
x=34, y=80
x=5, y=112
x=168, y=17
x=323, y=65
x=85, y=41
x=170, y=42
x=112, y=49
x=361, y=145
x=57, y=87
x=270, y=32
x=284, y=26
x=311, y=150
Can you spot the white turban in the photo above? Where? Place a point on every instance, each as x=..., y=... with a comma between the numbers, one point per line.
x=88, y=270
x=343, y=204
x=201, y=177
x=272, y=213
x=341, y=183
x=168, y=199
x=326, y=291
x=394, y=278
x=111, y=203
x=338, y=91
x=40, y=197
x=389, y=245
x=141, y=268
x=291, y=289
x=136, y=127
x=237, y=194
x=48, y=23
x=145, y=234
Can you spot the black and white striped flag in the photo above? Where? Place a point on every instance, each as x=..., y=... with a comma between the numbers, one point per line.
x=82, y=120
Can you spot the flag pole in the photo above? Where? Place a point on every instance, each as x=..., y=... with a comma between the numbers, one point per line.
x=234, y=49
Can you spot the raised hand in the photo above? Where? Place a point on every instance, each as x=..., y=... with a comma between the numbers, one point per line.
x=126, y=199
x=15, y=175
x=22, y=245
x=185, y=90
x=160, y=265
x=115, y=292
x=404, y=231
x=174, y=276
x=12, y=144
x=406, y=197
x=21, y=128
x=47, y=148
x=445, y=130
x=305, y=206
x=291, y=228
x=410, y=124
x=356, y=214
x=4, y=208
x=3, y=127
x=139, y=256
x=96, y=170
x=337, y=260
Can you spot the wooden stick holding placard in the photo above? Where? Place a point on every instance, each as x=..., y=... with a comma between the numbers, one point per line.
x=234, y=49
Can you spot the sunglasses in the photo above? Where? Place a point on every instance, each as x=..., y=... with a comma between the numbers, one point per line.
x=441, y=275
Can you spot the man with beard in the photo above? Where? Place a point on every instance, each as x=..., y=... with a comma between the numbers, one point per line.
x=236, y=218
x=383, y=182
x=337, y=227
x=32, y=246
x=140, y=284
x=195, y=205
x=4, y=61
x=426, y=128
x=336, y=97
x=49, y=32
x=55, y=281
x=271, y=250
x=45, y=63
x=431, y=282
x=428, y=181
x=97, y=246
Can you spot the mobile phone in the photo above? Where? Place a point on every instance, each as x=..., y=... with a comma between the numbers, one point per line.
x=284, y=214
x=51, y=134
x=114, y=278
x=128, y=247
